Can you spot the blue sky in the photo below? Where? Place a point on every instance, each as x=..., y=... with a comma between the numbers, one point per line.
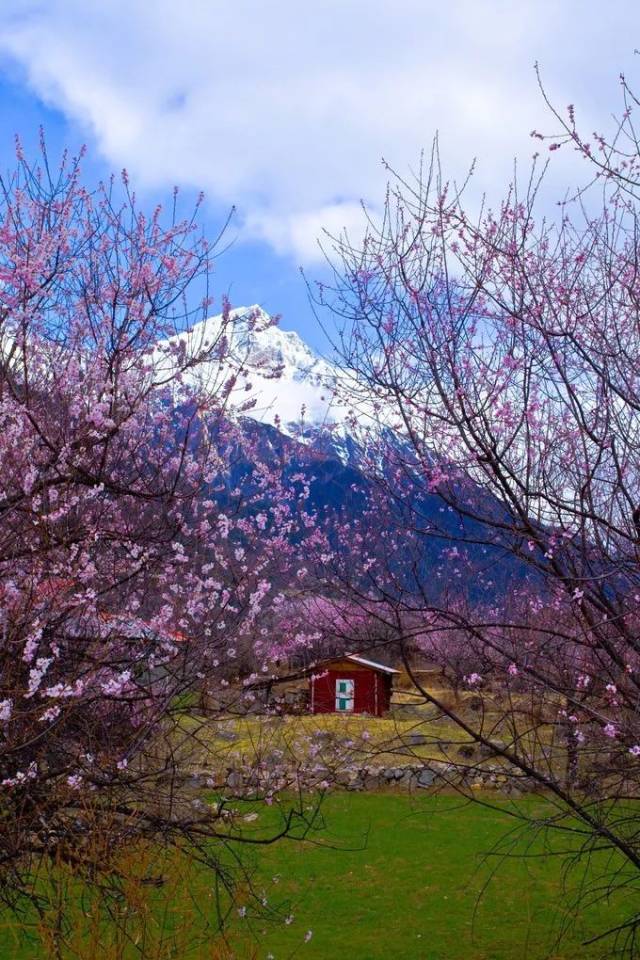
x=285, y=109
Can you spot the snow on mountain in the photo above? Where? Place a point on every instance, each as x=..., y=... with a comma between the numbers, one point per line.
x=279, y=380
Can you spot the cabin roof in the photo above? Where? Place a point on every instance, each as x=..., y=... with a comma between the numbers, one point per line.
x=371, y=663
x=355, y=658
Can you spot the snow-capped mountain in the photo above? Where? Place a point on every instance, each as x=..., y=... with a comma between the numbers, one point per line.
x=277, y=378
x=287, y=396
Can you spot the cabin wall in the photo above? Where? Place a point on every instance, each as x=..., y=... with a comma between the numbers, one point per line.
x=387, y=686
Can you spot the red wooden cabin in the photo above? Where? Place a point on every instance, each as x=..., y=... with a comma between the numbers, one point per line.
x=351, y=684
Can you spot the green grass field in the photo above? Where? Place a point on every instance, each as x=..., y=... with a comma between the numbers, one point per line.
x=384, y=876
x=416, y=879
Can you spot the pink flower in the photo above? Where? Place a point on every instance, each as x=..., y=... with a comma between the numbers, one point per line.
x=50, y=714
x=473, y=679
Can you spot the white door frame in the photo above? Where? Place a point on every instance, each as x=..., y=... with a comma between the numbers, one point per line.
x=346, y=695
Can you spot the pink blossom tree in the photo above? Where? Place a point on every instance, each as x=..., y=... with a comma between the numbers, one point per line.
x=133, y=565
x=504, y=349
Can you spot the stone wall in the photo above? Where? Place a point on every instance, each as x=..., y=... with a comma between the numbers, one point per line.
x=432, y=774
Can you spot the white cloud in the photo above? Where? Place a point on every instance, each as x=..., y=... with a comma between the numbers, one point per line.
x=307, y=231
x=285, y=108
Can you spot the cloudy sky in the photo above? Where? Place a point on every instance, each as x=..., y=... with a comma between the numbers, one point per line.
x=285, y=109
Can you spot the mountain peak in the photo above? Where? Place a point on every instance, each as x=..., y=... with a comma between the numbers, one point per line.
x=290, y=385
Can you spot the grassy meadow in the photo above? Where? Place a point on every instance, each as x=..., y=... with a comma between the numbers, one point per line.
x=381, y=875
x=384, y=873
